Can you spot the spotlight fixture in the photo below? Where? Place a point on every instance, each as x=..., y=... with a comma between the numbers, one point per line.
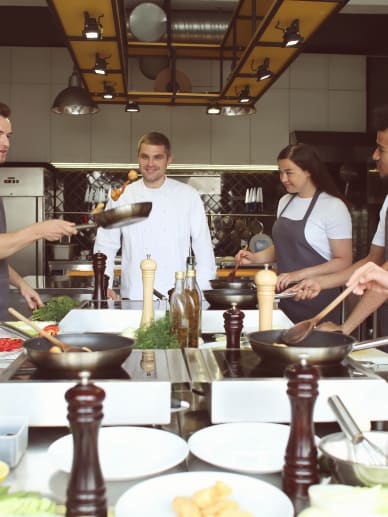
x=291, y=34
x=74, y=100
x=93, y=28
x=213, y=109
x=109, y=91
x=101, y=65
x=244, y=96
x=132, y=107
x=263, y=71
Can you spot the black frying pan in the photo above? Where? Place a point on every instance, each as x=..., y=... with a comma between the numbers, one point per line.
x=321, y=347
x=108, y=351
x=120, y=216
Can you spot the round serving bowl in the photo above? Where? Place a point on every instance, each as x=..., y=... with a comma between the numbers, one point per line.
x=337, y=450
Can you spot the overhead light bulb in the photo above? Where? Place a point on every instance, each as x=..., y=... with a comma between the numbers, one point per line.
x=109, y=91
x=93, y=28
x=214, y=109
x=291, y=34
x=132, y=107
x=263, y=71
x=101, y=65
x=244, y=96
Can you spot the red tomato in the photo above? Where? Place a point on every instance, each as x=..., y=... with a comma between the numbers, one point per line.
x=7, y=344
x=52, y=329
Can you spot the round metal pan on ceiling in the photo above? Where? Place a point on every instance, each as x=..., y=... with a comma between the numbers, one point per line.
x=147, y=22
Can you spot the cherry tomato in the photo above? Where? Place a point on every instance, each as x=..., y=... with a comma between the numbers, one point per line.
x=8, y=344
x=52, y=329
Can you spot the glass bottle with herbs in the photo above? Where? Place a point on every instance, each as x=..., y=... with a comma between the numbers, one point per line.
x=179, y=310
x=193, y=300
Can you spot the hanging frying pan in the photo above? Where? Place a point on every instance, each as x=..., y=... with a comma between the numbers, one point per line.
x=120, y=216
x=321, y=347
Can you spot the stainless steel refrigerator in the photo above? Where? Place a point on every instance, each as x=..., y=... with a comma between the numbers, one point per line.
x=23, y=192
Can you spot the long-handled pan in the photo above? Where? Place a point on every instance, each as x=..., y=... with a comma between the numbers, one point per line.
x=107, y=351
x=120, y=216
x=321, y=347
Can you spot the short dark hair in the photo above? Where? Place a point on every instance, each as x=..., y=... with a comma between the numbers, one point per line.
x=380, y=119
x=5, y=111
x=155, y=138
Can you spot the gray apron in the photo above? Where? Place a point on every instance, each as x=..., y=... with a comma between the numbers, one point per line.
x=4, y=278
x=383, y=310
x=294, y=252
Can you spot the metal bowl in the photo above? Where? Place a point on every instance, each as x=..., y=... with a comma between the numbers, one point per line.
x=223, y=298
x=337, y=450
x=238, y=283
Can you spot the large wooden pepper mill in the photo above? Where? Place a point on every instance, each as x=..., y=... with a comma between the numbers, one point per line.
x=301, y=464
x=265, y=281
x=148, y=268
x=86, y=488
x=99, y=293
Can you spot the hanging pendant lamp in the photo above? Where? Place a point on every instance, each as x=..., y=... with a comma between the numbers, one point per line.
x=74, y=100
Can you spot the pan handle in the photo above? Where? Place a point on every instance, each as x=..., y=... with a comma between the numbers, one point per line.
x=85, y=226
x=370, y=343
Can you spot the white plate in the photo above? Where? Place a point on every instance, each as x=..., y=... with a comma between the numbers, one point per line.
x=126, y=452
x=251, y=447
x=153, y=497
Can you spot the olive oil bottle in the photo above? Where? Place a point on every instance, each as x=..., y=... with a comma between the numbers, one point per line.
x=179, y=310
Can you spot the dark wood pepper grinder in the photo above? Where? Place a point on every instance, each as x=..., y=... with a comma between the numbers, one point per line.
x=99, y=293
x=233, y=325
x=301, y=463
x=86, y=488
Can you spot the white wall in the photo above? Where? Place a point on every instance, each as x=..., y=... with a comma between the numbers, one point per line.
x=317, y=92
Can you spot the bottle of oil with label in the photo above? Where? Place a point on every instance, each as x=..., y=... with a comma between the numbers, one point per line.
x=178, y=310
x=194, y=308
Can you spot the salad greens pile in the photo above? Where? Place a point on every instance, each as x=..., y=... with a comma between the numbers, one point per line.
x=55, y=309
x=157, y=334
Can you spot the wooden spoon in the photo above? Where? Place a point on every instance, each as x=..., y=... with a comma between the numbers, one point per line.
x=301, y=330
x=232, y=275
x=55, y=341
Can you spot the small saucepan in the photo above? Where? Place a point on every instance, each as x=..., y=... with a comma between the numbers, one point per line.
x=107, y=351
x=321, y=347
x=120, y=216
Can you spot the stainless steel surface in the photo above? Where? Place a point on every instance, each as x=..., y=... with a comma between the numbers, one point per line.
x=120, y=216
x=134, y=398
x=23, y=192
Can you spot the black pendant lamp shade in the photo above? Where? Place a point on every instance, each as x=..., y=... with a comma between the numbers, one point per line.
x=74, y=100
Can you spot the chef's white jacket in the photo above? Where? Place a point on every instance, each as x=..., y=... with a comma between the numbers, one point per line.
x=177, y=213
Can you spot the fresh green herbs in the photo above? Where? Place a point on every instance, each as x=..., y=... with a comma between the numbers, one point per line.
x=25, y=503
x=55, y=309
x=156, y=335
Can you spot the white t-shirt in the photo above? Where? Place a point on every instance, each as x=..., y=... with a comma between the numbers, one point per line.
x=329, y=219
x=177, y=213
x=379, y=236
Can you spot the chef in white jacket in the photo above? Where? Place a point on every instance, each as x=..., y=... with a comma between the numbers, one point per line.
x=177, y=219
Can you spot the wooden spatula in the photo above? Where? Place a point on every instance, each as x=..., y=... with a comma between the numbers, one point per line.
x=302, y=329
x=232, y=275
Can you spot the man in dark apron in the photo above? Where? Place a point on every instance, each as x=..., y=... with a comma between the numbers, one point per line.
x=10, y=243
x=289, y=234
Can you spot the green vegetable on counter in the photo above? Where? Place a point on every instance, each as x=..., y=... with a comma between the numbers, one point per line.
x=157, y=334
x=25, y=503
x=55, y=309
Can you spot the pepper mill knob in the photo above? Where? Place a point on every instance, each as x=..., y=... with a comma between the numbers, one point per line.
x=86, y=488
x=148, y=268
x=301, y=464
x=233, y=325
x=265, y=281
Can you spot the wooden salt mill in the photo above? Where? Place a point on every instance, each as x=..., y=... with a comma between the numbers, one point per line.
x=301, y=464
x=99, y=294
x=86, y=488
x=265, y=281
x=148, y=268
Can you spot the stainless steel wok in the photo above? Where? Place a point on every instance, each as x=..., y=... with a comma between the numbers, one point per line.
x=237, y=283
x=108, y=351
x=223, y=298
x=120, y=216
x=321, y=347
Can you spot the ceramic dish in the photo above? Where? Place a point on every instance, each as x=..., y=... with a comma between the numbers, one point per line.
x=126, y=452
x=154, y=497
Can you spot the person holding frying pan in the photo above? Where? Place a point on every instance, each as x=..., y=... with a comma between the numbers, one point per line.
x=313, y=231
x=11, y=242
x=176, y=223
